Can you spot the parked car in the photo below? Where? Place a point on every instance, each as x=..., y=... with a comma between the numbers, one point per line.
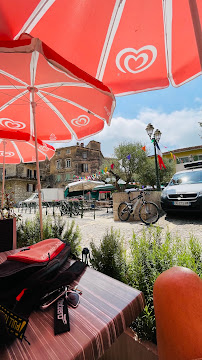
x=47, y=195
x=184, y=191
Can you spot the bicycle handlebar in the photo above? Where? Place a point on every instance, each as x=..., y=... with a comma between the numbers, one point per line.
x=142, y=191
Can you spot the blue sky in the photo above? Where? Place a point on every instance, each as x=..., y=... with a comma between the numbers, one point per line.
x=174, y=111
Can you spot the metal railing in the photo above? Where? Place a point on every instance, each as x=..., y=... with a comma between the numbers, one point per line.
x=70, y=208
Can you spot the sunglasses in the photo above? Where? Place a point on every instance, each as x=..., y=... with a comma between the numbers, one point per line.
x=72, y=297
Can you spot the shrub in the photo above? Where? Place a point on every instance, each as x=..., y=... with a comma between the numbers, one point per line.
x=28, y=232
x=73, y=237
x=110, y=256
x=149, y=255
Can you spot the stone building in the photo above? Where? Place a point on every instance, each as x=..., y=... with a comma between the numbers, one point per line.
x=64, y=167
x=21, y=179
x=71, y=162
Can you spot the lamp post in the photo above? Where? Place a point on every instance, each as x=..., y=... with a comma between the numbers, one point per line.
x=155, y=137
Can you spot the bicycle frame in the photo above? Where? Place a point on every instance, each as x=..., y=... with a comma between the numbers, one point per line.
x=138, y=199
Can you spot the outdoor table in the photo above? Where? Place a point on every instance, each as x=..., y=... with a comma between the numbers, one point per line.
x=107, y=307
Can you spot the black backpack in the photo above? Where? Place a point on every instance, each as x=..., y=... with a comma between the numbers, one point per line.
x=28, y=276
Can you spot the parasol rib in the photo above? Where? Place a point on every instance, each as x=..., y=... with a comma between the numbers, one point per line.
x=113, y=26
x=34, y=18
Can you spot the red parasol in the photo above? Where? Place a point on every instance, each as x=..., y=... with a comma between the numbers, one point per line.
x=22, y=150
x=130, y=45
x=39, y=88
x=17, y=147
x=45, y=95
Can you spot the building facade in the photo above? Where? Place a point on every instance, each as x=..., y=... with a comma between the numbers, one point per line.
x=20, y=180
x=67, y=165
x=184, y=155
x=73, y=162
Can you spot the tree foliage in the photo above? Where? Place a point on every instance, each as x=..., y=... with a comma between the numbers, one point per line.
x=147, y=175
x=132, y=164
x=128, y=159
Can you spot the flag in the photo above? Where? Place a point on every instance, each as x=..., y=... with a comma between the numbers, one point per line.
x=174, y=157
x=121, y=162
x=144, y=148
x=105, y=169
x=128, y=157
x=112, y=166
x=159, y=153
x=171, y=154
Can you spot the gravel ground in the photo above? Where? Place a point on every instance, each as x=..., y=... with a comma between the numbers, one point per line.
x=93, y=229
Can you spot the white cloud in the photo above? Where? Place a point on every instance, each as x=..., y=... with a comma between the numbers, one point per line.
x=199, y=100
x=179, y=129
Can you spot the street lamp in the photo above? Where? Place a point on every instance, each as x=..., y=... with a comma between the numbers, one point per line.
x=155, y=137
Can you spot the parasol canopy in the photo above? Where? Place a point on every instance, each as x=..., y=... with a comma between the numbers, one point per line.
x=45, y=95
x=130, y=45
x=83, y=185
x=15, y=151
x=17, y=147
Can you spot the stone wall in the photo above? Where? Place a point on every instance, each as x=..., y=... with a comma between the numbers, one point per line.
x=153, y=196
x=18, y=189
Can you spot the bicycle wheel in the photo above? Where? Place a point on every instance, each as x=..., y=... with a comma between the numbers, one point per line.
x=123, y=211
x=64, y=209
x=75, y=210
x=149, y=213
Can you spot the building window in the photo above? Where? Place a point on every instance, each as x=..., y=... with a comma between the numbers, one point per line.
x=184, y=159
x=197, y=157
x=58, y=164
x=68, y=151
x=30, y=188
x=67, y=177
x=35, y=174
x=84, y=155
x=58, y=178
x=68, y=163
x=58, y=152
x=84, y=167
x=29, y=173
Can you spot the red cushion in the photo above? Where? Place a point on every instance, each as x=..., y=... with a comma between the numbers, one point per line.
x=43, y=251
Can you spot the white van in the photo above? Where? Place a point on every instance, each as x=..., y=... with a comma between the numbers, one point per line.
x=184, y=191
x=47, y=195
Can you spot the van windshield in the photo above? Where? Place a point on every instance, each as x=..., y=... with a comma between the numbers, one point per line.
x=192, y=177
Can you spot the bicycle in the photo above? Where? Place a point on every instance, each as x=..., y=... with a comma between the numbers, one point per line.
x=148, y=211
x=69, y=208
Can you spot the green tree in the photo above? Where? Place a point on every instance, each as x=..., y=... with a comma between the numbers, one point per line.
x=127, y=161
x=147, y=174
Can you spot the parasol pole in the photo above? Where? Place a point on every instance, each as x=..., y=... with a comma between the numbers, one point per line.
x=33, y=103
x=3, y=175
